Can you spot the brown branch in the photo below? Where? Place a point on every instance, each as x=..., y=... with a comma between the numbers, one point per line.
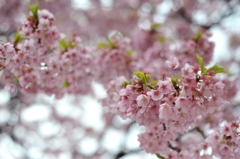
x=124, y=153
x=173, y=148
x=182, y=12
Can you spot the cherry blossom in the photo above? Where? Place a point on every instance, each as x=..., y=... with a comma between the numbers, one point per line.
x=156, y=75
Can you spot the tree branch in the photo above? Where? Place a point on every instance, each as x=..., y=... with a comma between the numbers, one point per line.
x=190, y=20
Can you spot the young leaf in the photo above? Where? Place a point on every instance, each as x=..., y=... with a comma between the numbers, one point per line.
x=71, y=45
x=125, y=84
x=174, y=81
x=2, y=68
x=111, y=43
x=65, y=84
x=139, y=74
x=217, y=69
x=161, y=39
x=159, y=156
x=18, y=38
x=129, y=53
x=200, y=62
x=103, y=46
x=15, y=79
x=63, y=44
x=156, y=26
x=198, y=35
x=34, y=10
x=147, y=77
x=154, y=82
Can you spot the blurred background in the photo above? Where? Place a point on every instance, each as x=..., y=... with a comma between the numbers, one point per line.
x=79, y=127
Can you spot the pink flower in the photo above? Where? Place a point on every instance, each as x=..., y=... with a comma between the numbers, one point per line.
x=169, y=135
x=6, y=50
x=206, y=90
x=173, y=63
x=213, y=138
x=165, y=87
x=218, y=88
x=172, y=155
x=227, y=130
x=9, y=48
x=44, y=24
x=182, y=117
x=165, y=111
x=183, y=104
x=45, y=14
x=123, y=92
x=11, y=88
x=142, y=100
x=155, y=94
x=188, y=72
x=28, y=45
x=225, y=150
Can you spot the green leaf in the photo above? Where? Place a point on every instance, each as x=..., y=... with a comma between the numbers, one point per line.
x=103, y=46
x=174, y=81
x=64, y=44
x=129, y=53
x=125, y=84
x=65, y=84
x=2, y=68
x=161, y=39
x=198, y=35
x=144, y=78
x=139, y=74
x=200, y=62
x=111, y=43
x=71, y=45
x=217, y=69
x=159, y=156
x=154, y=82
x=156, y=26
x=147, y=77
x=34, y=10
x=15, y=79
x=18, y=38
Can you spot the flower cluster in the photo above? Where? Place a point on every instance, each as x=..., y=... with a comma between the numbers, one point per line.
x=169, y=106
x=39, y=30
x=114, y=58
x=222, y=142
x=198, y=44
x=173, y=107
x=6, y=50
x=226, y=142
x=39, y=61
